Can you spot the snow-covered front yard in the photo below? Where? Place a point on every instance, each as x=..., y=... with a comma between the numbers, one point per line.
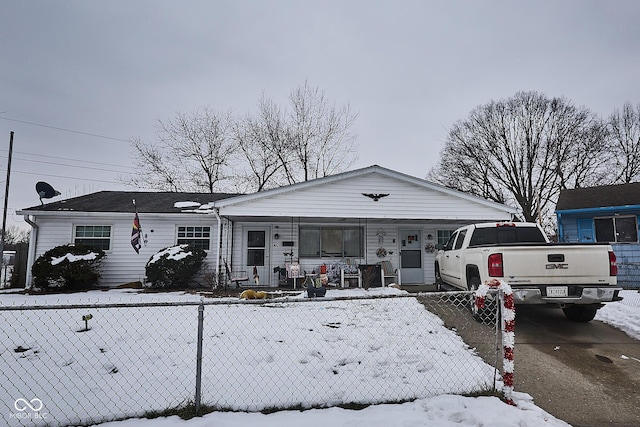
x=294, y=354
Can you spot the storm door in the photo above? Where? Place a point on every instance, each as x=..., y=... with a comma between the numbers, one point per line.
x=257, y=256
x=411, y=256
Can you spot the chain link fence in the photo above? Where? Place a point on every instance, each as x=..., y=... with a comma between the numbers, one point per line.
x=629, y=275
x=83, y=364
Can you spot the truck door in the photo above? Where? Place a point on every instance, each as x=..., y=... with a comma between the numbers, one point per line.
x=451, y=270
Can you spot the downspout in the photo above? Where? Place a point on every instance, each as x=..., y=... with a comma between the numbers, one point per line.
x=33, y=240
x=218, y=243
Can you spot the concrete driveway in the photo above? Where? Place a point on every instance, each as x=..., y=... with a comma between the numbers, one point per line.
x=587, y=374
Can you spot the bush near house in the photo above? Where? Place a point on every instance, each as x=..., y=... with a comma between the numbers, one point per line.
x=174, y=267
x=67, y=267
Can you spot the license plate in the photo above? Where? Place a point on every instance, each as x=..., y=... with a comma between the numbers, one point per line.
x=557, y=291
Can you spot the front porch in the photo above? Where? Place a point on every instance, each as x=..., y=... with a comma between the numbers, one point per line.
x=355, y=252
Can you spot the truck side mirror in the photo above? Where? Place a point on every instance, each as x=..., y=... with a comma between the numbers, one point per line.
x=439, y=247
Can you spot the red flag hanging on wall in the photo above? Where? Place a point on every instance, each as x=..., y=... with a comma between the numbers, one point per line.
x=136, y=232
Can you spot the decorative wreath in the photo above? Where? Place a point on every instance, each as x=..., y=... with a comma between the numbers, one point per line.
x=381, y=252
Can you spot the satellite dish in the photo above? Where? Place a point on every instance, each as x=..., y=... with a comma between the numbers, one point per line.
x=45, y=191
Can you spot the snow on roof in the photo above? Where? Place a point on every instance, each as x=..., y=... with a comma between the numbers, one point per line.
x=182, y=205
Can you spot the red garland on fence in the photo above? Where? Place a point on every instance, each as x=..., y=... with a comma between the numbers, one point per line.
x=508, y=320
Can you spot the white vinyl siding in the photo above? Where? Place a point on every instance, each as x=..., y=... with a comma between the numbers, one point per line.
x=344, y=199
x=122, y=264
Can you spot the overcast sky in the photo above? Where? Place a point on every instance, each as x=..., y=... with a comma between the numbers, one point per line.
x=410, y=69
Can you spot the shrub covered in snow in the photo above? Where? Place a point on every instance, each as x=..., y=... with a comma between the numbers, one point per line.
x=174, y=267
x=67, y=267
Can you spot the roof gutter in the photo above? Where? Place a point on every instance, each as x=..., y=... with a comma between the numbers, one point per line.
x=33, y=239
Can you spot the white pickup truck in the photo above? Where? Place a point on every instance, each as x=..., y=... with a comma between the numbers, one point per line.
x=579, y=278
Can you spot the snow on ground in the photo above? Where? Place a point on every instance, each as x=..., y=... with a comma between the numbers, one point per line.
x=624, y=315
x=446, y=409
x=439, y=411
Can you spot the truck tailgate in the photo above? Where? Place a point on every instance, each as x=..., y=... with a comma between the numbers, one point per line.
x=557, y=265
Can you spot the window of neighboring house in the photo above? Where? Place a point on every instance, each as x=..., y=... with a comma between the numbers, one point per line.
x=336, y=242
x=93, y=236
x=617, y=229
x=443, y=236
x=197, y=236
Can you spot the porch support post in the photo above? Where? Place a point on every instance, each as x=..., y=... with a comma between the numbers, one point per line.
x=218, y=243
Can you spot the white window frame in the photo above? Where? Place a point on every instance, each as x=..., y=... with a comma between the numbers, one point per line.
x=328, y=228
x=194, y=237
x=110, y=238
x=615, y=232
x=443, y=236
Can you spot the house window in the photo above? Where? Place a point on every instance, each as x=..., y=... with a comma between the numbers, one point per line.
x=338, y=242
x=617, y=229
x=198, y=237
x=443, y=236
x=93, y=236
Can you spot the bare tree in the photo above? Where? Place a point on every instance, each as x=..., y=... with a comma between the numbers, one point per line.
x=191, y=153
x=261, y=141
x=624, y=130
x=307, y=139
x=319, y=134
x=522, y=151
x=209, y=151
x=15, y=235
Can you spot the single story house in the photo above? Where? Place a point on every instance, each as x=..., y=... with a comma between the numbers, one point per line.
x=604, y=214
x=362, y=216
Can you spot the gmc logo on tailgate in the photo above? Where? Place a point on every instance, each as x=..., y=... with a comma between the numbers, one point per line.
x=557, y=266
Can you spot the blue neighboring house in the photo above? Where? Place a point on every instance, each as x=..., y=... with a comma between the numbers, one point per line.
x=604, y=214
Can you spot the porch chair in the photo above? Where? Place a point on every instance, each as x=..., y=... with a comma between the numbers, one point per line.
x=387, y=272
x=237, y=277
x=293, y=272
x=350, y=271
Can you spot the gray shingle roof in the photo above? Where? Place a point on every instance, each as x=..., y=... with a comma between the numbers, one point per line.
x=599, y=197
x=122, y=201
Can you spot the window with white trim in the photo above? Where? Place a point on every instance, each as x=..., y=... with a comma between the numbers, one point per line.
x=337, y=242
x=617, y=229
x=93, y=236
x=443, y=236
x=197, y=236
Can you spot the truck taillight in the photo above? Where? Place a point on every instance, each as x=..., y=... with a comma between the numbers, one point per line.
x=495, y=265
x=613, y=265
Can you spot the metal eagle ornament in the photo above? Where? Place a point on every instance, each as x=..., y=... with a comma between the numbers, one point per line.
x=375, y=197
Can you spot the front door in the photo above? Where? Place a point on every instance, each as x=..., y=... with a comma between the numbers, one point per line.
x=411, y=256
x=257, y=256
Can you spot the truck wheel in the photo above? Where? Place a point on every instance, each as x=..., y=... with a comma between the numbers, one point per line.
x=486, y=314
x=580, y=313
x=438, y=278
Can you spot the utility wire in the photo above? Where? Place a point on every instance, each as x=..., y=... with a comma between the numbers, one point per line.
x=67, y=177
x=66, y=165
x=65, y=130
x=67, y=159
